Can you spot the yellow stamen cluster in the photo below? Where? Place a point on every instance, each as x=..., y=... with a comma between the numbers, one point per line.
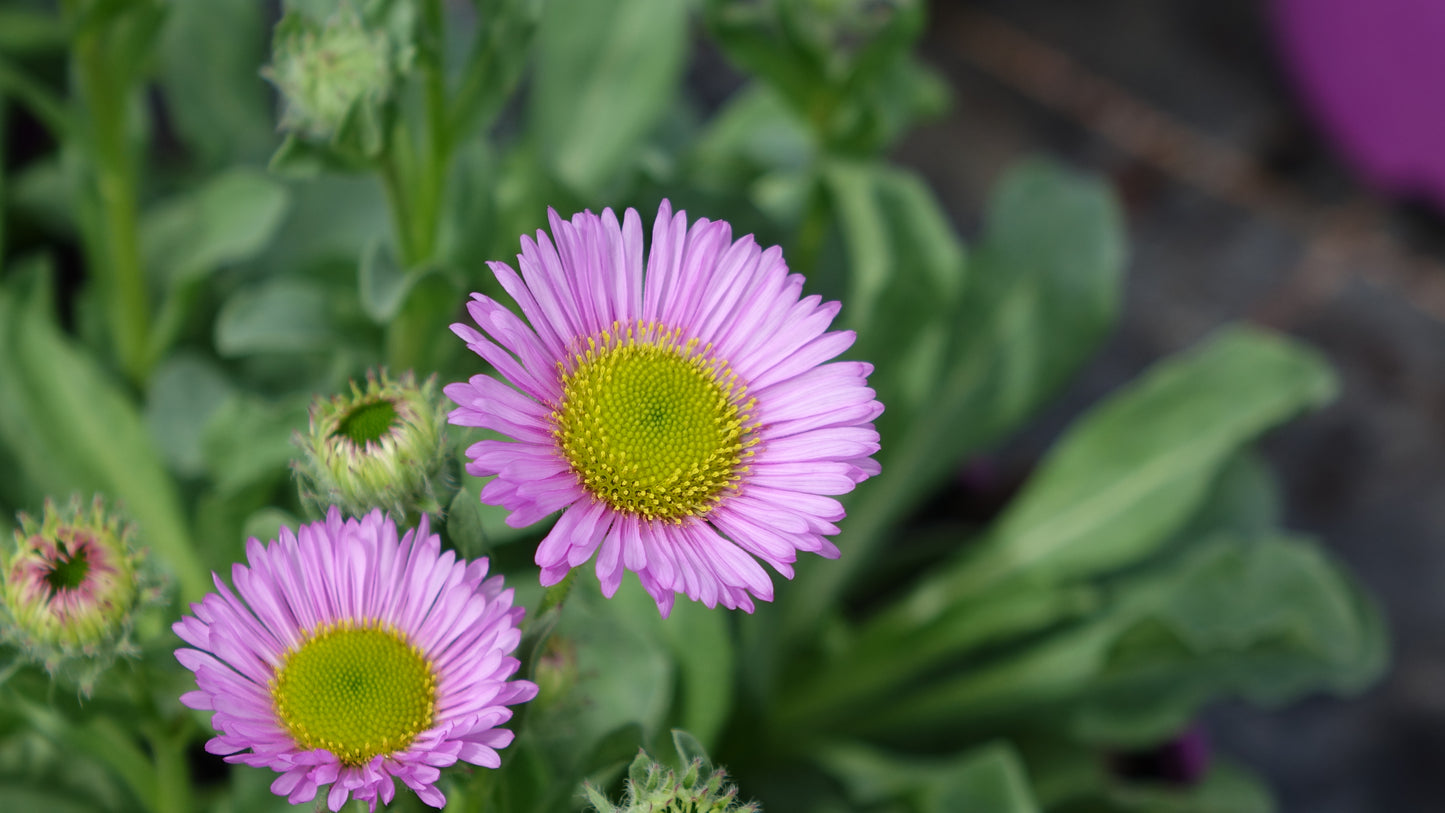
x=357, y=689
x=652, y=424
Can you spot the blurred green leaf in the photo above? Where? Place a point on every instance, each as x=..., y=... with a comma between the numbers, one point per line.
x=25, y=31
x=623, y=676
x=382, y=284
x=754, y=132
x=183, y=393
x=248, y=441
x=1225, y=789
x=477, y=526
x=266, y=524
x=987, y=779
x=1043, y=288
x=1244, y=500
x=1131, y=471
x=72, y=429
x=702, y=648
x=1267, y=619
x=280, y=315
x=606, y=72
x=209, y=55
x=231, y=218
x=494, y=65
x=754, y=36
x=906, y=265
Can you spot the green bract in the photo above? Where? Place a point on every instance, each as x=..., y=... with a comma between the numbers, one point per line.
x=655, y=788
x=381, y=446
x=335, y=75
x=71, y=588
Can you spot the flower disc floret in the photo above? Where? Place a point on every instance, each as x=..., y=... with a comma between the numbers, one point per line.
x=357, y=690
x=682, y=414
x=349, y=657
x=652, y=424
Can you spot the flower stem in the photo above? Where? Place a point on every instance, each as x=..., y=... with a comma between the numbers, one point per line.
x=115, y=240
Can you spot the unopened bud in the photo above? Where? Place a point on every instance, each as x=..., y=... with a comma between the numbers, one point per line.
x=382, y=446
x=72, y=588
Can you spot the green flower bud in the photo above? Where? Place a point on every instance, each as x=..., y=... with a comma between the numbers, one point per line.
x=72, y=588
x=655, y=788
x=383, y=446
x=334, y=74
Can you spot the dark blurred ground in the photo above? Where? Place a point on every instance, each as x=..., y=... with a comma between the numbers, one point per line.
x=1238, y=209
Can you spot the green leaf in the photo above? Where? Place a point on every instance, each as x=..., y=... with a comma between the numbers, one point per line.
x=25, y=31
x=621, y=671
x=1042, y=290
x=182, y=395
x=247, y=441
x=1267, y=619
x=754, y=132
x=606, y=72
x=1244, y=500
x=209, y=55
x=494, y=65
x=987, y=779
x=280, y=315
x=1226, y=789
x=229, y=219
x=383, y=285
x=702, y=649
x=72, y=429
x=1131, y=472
x=477, y=527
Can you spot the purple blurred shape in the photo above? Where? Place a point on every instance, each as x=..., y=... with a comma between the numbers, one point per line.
x=1373, y=73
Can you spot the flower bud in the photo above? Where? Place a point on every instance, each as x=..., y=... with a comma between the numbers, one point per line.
x=655, y=788
x=333, y=71
x=383, y=446
x=72, y=588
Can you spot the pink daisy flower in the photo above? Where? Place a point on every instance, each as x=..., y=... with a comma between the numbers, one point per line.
x=349, y=658
x=681, y=417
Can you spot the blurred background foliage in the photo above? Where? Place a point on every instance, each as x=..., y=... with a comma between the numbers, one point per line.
x=181, y=279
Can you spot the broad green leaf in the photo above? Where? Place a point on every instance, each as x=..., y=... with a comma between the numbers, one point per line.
x=210, y=54
x=229, y=219
x=753, y=35
x=1267, y=619
x=606, y=72
x=280, y=315
x=26, y=31
x=987, y=779
x=247, y=441
x=1134, y=468
x=754, y=132
x=1225, y=789
x=620, y=671
x=267, y=523
x=494, y=65
x=383, y=285
x=72, y=429
x=477, y=527
x=1042, y=290
x=1244, y=500
x=182, y=395
x=702, y=648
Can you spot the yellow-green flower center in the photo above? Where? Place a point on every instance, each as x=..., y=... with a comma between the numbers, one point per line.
x=653, y=425
x=357, y=690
